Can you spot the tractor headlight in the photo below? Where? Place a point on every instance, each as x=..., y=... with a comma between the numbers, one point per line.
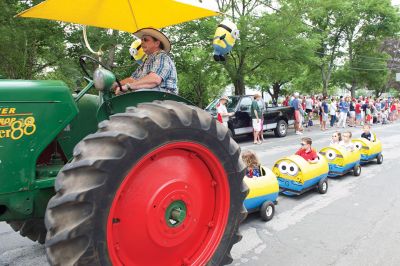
x=103, y=79
x=98, y=79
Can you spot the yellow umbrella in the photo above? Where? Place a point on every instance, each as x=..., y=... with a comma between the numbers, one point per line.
x=124, y=15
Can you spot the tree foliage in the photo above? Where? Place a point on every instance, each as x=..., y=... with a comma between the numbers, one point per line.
x=312, y=46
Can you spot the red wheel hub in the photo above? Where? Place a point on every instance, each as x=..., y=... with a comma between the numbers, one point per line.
x=171, y=209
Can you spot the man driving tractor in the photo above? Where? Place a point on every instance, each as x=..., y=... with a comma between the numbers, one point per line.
x=158, y=72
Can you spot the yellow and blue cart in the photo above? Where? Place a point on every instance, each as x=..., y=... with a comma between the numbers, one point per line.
x=370, y=150
x=341, y=161
x=263, y=194
x=296, y=175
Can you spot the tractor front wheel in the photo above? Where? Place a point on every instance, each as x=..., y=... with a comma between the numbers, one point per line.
x=161, y=184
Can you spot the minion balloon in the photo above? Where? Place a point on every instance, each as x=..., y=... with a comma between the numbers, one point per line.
x=137, y=52
x=224, y=39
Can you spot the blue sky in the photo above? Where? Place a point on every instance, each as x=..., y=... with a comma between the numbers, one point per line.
x=212, y=3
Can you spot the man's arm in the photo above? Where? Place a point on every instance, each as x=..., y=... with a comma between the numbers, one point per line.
x=255, y=112
x=147, y=82
x=255, y=107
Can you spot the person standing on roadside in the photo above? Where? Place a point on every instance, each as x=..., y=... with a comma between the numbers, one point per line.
x=324, y=111
x=332, y=111
x=256, y=118
x=364, y=106
x=297, y=119
x=309, y=110
x=222, y=112
x=357, y=110
x=261, y=105
x=378, y=108
x=343, y=109
x=286, y=101
x=393, y=110
x=352, y=109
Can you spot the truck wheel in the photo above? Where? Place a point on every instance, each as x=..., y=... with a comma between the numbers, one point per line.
x=33, y=229
x=161, y=184
x=267, y=211
x=379, y=159
x=323, y=186
x=357, y=170
x=281, y=129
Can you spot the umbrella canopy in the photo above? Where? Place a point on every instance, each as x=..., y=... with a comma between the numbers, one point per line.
x=124, y=15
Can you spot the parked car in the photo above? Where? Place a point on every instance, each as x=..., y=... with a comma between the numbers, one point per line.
x=276, y=119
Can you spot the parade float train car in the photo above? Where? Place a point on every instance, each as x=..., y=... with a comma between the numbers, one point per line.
x=263, y=194
x=342, y=161
x=370, y=150
x=296, y=175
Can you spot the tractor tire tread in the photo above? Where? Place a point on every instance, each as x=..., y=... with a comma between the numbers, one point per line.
x=33, y=228
x=71, y=212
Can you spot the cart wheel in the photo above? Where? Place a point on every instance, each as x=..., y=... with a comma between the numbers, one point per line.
x=379, y=160
x=267, y=211
x=357, y=170
x=159, y=185
x=323, y=186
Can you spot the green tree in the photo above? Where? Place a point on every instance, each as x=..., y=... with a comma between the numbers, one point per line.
x=29, y=47
x=288, y=56
x=367, y=24
x=200, y=80
x=346, y=28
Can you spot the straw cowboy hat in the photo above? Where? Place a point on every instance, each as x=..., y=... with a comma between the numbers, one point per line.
x=166, y=44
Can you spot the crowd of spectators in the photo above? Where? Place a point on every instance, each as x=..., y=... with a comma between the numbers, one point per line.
x=342, y=111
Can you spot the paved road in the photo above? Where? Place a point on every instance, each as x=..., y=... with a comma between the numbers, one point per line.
x=355, y=223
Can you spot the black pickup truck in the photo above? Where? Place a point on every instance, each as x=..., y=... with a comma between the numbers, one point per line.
x=276, y=119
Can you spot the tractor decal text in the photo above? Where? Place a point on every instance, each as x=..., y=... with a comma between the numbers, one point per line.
x=15, y=125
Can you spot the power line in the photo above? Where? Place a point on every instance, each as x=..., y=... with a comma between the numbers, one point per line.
x=378, y=58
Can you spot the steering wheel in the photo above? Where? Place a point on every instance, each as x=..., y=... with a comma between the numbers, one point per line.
x=82, y=63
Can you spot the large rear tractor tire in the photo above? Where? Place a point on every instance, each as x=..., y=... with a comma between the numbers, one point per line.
x=33, y=229
x=161, y=184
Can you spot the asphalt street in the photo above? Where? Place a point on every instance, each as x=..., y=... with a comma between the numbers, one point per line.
x=355, y=223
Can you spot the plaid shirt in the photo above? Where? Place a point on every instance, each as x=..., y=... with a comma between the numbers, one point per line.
x=162, y=65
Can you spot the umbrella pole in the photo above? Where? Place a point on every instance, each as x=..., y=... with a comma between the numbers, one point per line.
x=99, y=53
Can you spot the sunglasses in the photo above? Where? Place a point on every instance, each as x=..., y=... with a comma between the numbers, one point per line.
x=145, y=39
x=303, y=144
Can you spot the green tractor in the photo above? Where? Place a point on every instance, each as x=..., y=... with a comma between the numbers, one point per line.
x=143, y=178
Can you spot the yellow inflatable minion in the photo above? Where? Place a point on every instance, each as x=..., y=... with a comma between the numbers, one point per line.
x=137, y=53
x=296, y=175
x=224, y=39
